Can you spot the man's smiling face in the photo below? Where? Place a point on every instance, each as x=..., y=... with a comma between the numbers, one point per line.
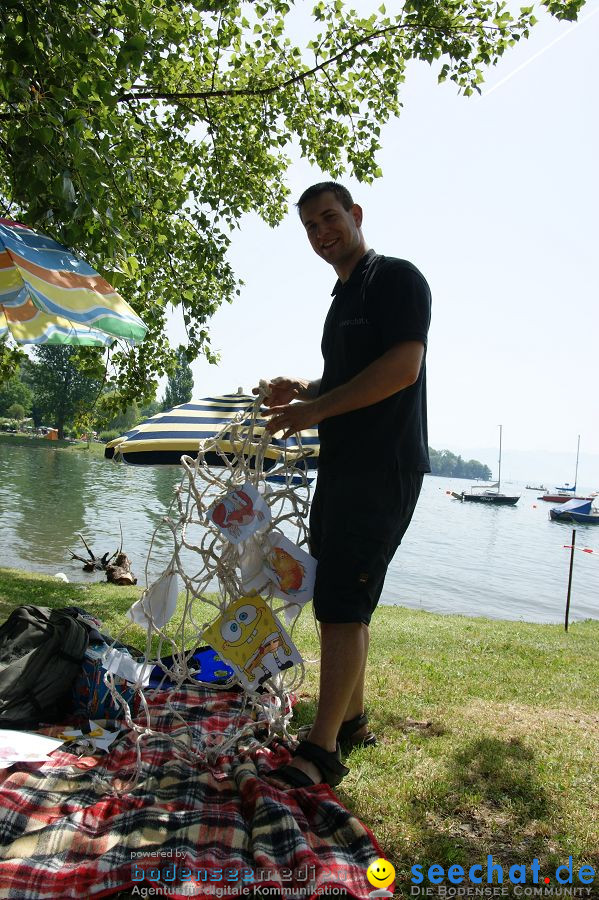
x=334, y=232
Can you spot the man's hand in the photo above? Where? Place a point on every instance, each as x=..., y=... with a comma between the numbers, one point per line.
x=284, y=389
x=294, y=417
x=395, y=370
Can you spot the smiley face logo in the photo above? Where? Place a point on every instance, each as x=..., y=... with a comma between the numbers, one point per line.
x=380, y=873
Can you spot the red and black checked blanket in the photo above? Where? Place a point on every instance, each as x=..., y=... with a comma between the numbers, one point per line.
x=184, y=831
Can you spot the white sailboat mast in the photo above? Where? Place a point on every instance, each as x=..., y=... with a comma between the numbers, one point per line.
x=499, y=478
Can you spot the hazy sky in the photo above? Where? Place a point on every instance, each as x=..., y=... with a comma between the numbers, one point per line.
x=495, y=199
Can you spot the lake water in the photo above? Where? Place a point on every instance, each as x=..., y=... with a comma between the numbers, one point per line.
x=502, y=562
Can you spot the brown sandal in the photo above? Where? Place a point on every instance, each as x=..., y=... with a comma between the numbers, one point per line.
x=345, y=735
x=329, y=762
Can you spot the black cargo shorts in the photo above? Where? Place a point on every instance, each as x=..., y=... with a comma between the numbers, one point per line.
x=357, y=521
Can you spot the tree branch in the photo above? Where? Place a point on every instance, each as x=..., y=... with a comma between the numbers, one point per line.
x=177, y=96
x=300, y=76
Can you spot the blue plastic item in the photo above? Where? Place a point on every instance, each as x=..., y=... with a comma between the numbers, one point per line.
x=205, y=665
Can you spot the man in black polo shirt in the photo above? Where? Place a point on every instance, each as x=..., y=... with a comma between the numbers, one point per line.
x=370, y=408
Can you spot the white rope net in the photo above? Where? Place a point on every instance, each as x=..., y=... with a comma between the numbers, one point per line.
x=208, y=566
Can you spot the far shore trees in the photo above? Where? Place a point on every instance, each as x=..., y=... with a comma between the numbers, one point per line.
x=62, y=392
x=444, y=462
x=13, y=392
x=179, y=388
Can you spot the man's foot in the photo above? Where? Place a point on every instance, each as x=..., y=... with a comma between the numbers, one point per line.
x=303, y=767
x=312, y=765
x=356, y=733
x=353, y=733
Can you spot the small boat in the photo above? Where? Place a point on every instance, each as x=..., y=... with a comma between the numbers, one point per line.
x=535, y=487
x=490, y=495
x=565, y=493
x=591, y=518
x=575, y=507
x=561, y=498
x=496, y=498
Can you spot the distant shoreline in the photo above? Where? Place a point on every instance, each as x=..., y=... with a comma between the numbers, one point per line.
x=34, y=442
x=96, y=448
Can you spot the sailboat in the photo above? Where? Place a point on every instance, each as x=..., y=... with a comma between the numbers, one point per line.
x=563, y=494
x=492, y=494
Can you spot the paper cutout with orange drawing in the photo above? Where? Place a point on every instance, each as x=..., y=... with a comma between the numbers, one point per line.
x=250, y=638
x=240, y=513
x=289, y=568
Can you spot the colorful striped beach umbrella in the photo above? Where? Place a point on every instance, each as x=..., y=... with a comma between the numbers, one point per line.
x=164, y=438
x=49, y=296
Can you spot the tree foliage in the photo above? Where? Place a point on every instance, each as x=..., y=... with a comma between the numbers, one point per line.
x=14, y=391
x=123, y=421
x=16, y=411
x=139, y=131
x=179, y=388
x=62, y=392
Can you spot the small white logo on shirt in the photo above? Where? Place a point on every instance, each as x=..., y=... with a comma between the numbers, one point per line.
x=360, y=321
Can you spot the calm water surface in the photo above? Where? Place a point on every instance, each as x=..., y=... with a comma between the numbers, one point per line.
x=507, y=563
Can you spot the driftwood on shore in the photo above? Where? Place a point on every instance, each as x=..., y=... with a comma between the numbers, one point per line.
x=116, y=565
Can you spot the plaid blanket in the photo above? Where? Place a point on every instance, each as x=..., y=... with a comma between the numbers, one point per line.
x=185, y=830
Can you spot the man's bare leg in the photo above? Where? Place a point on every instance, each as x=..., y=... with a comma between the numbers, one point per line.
x=356, y=705
x=342, y=665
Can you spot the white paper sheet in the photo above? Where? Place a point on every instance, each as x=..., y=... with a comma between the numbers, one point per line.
x=126, y=667
x=98, y=737
x=25, y=746
x=157, y=604
x=251, y=564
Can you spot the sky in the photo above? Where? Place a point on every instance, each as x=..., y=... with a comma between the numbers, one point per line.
x=495, y=199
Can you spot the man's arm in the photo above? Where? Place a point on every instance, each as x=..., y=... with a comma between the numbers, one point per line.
x=395, y=370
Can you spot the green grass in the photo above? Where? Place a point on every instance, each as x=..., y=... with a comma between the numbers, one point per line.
x=488, y=731
x=23, y=440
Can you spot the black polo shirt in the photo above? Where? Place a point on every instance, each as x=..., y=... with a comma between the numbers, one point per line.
x=384, y=301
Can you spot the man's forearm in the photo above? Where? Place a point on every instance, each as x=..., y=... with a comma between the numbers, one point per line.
x=309, y=389
x=397, y=369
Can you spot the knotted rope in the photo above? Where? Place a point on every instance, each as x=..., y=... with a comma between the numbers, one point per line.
x=218, y=563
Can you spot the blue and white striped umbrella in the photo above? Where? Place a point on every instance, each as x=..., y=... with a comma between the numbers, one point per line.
x=164, y=438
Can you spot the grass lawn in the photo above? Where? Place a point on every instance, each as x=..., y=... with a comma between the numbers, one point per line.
x=488, y=732
x=22, y=440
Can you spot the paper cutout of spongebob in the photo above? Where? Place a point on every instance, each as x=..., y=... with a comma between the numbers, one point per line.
x=251, y=639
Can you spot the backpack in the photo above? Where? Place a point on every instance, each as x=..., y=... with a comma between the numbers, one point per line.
x=41, y=653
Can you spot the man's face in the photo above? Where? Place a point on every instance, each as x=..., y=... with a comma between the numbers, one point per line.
x=334, y=232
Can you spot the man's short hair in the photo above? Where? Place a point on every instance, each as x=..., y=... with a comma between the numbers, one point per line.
x=341, y=193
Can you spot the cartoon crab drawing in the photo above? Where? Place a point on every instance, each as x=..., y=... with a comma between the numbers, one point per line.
x=234, y=511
